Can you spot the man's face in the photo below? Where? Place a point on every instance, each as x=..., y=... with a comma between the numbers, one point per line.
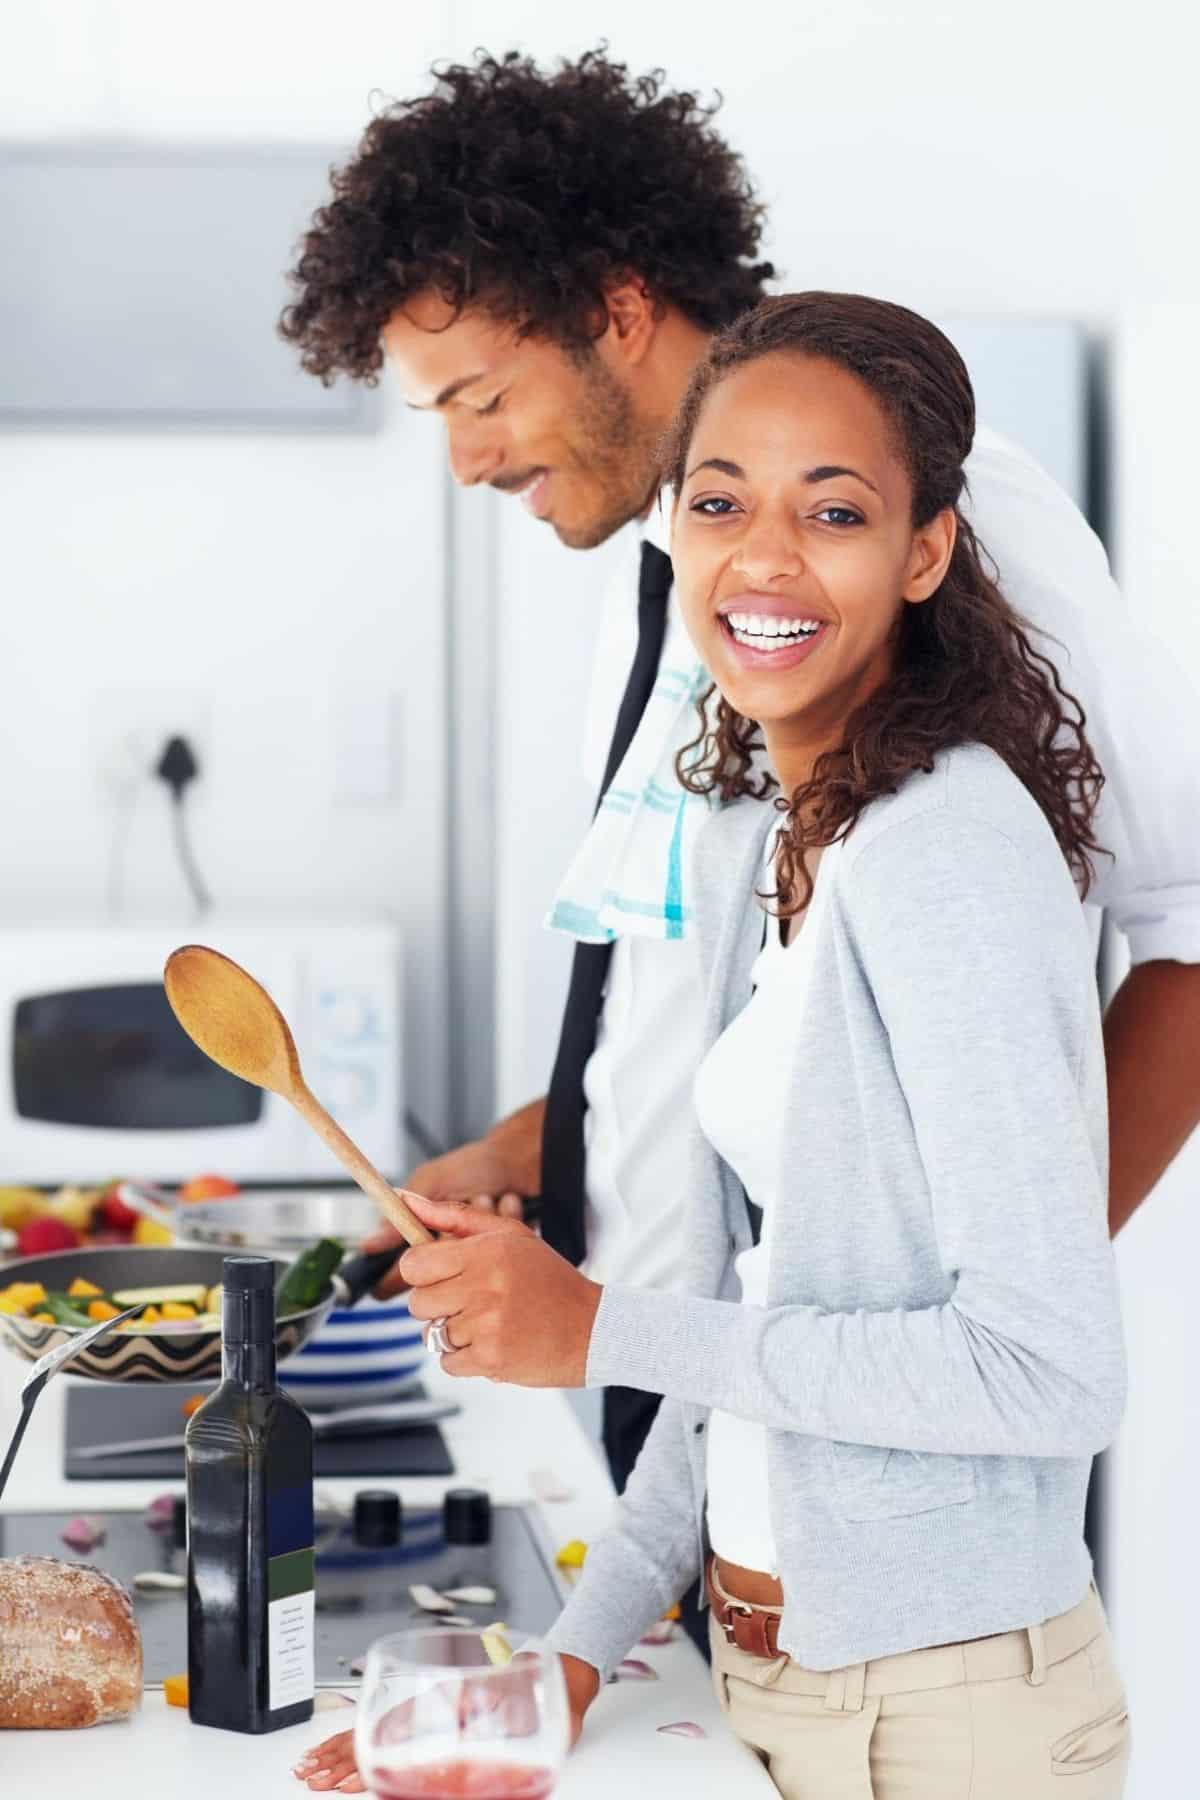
x=559, y=429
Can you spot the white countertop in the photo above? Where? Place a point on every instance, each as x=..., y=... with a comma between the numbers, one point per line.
x=500, y=1436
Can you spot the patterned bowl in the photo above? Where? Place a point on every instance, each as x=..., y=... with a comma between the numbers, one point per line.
x=172, y=1352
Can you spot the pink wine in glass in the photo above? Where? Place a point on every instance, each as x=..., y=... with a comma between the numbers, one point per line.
x=462, y=1780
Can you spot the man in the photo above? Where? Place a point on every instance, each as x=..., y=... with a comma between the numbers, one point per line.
x=540, y=257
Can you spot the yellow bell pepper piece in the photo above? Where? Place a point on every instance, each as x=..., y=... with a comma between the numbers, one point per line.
x=149, y=1231
x=43, y=1318
x=102, y=1309
x=177, y=1309
x=12, y=1307
x=175, y=1690
x=26, y=1294
x=151, y=1316
x=572, y=1555
x=79, y=1287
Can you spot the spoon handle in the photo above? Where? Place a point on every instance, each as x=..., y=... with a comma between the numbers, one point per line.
x=355, y=1163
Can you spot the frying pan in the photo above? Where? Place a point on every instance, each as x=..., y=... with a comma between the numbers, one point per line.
x=174, y=1352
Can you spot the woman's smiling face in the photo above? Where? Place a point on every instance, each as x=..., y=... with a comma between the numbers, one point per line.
x=793, y=543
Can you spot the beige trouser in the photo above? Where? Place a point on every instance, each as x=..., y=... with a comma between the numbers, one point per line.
x=1002, y=1718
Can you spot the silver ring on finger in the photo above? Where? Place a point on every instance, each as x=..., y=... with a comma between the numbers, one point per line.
x=437, y=1339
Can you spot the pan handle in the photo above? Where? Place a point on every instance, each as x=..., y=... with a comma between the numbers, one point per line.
x=360, y=1274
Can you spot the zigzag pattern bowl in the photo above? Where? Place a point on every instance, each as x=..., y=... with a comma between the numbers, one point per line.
x=172, y=1352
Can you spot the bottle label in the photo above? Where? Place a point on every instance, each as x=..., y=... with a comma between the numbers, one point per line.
x=291, y=1609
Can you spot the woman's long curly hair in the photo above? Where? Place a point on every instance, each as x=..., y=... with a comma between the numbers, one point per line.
x=965, y=669
x=528, y=191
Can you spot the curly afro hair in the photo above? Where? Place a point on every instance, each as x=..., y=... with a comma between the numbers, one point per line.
x=529, y=192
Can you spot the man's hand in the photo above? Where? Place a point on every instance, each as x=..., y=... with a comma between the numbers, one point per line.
x=493, y=1173
x=517, y=1311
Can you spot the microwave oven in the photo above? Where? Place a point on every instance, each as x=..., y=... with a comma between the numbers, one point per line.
x=98, y=1081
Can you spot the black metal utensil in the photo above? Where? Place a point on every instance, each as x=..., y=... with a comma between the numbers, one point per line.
x=40, y=1374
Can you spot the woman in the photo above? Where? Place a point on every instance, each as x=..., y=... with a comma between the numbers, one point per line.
x=885, y=1411
x=882, y=1415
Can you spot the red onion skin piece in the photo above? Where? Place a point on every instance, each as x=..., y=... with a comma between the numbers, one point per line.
x=686, y=1728
x=661, y=1633
x=84, y=1533
x=632, y=1668
x=160, y=1513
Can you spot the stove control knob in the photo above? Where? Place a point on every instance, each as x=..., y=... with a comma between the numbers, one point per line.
x=378, y=1519
x=467, y=1516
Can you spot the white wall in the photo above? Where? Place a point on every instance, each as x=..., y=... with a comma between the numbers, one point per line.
x=273, y=582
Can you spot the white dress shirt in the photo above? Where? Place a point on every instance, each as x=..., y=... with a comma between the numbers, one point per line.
x=1142, y=720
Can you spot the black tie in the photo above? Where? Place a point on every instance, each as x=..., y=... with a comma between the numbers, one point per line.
x=562, y=1135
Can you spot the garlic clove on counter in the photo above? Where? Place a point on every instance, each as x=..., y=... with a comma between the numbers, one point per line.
x=428, y=1599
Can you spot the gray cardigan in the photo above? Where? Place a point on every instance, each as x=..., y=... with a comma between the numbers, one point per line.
x=941, y=1353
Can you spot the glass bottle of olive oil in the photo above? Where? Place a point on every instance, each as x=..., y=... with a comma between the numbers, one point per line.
x=250, y=1527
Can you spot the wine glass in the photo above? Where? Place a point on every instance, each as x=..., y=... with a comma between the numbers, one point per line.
x=438, y=1720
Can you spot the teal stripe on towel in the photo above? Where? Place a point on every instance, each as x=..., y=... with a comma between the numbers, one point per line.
x=673, y=907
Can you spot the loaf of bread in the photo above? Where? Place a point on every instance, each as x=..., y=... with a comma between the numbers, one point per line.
x=70, y=1649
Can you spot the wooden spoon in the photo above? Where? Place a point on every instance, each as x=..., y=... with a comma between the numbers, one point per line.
x=235, y=1022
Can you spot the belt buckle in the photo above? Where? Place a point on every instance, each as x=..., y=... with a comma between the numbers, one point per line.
x=727, y=1625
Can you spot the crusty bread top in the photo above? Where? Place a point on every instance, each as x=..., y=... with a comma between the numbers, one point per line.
x=72, y=1648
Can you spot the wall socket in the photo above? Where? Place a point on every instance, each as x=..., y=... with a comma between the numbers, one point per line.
x=129, y=730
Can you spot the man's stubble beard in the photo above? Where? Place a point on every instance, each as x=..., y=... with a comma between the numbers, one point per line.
x=618, y=451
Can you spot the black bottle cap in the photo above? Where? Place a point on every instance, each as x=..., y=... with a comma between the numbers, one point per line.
x=248, y=1304
x=467, y=1516
x=378, y=1519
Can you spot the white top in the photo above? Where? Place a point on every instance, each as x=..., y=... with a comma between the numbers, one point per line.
x=1141, y=719
x=741, y=1093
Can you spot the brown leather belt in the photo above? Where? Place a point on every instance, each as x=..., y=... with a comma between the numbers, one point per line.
x=754, y=1629
x=1028, y=1652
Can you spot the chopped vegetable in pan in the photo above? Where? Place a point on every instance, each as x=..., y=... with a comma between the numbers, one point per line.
x=176, y=1305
